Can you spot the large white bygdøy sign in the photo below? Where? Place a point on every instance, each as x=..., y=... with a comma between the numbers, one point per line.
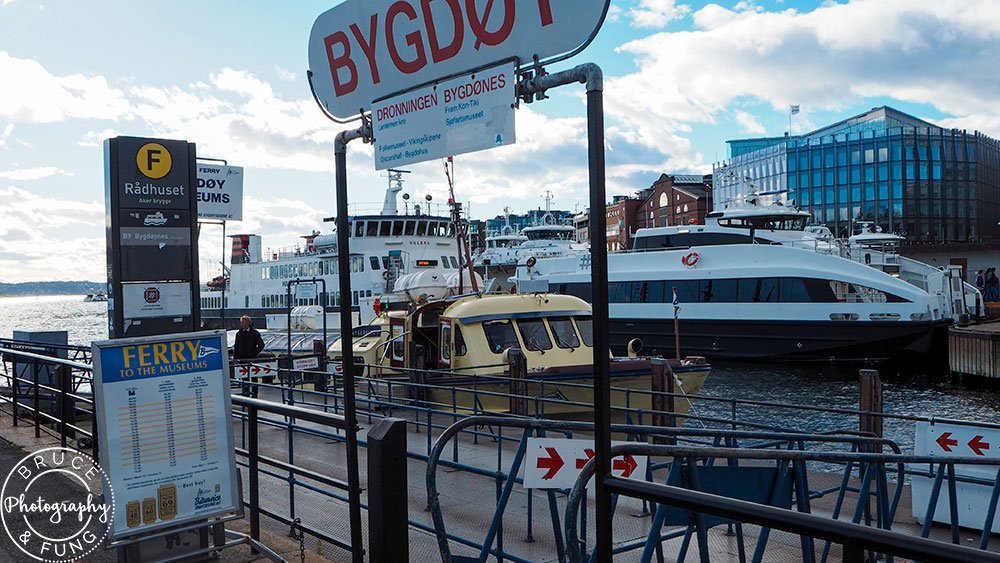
x=457, y=116
x=361, y=51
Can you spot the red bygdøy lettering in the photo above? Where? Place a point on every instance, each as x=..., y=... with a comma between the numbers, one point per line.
x=423, y=36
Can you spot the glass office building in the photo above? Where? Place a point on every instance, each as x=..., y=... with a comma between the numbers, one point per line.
x=904, y=174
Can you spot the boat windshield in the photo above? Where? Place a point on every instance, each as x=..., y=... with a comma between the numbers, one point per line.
x=586, y=328
x=534, y=334
x=563, y=332
x=500, y=336
x=770, y=223
x=549, y=234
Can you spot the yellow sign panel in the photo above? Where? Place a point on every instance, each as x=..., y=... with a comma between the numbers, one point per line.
x=154, y=160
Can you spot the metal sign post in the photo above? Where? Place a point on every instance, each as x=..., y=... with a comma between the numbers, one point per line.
x=531, y=89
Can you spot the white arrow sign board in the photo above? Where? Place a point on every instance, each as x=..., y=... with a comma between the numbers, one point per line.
x=950, y=441
x=364, y=50
x=258, y=369
x=312, y=362
x=555, y=463
x=459, y=116
x=305, y=291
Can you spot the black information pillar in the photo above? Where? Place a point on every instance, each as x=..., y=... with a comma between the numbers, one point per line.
x=152, y=235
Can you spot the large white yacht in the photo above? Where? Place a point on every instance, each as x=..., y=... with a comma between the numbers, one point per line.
x=752, y=283
x=384, y=246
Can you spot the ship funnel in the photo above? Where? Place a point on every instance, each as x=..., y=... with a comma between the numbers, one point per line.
x=395, y=186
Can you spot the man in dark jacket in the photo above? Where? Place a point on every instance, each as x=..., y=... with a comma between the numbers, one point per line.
x=249, y=344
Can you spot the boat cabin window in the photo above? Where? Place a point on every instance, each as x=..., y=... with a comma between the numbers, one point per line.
x=460, y=348
x=454, y=262
x=446, y=343
x=372, y=229
x=359, y=229
x=768, y=223
x=374, y=262
x=549, y=234
x=444, y=262
x=500, y=336
x=586, y=328
x=385, y=228
x=408, y=230
x=534, y=334
x=563, y=332
x=421, y=228
x=397, y=228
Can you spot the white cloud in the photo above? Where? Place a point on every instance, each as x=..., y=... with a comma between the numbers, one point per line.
x=44, y=238
x=827, y=59
x=8, y=130
x=657, y=13
x=286, y=75
x=41, y=97
x=749, y=124
x=33, y=173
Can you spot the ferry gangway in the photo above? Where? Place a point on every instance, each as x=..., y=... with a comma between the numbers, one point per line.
x=402, y=398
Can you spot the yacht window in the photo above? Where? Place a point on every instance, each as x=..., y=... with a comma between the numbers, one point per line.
x=385, y=228
x=460, y=348
x=432, y=228
x=758, y=290
x=444, y=262
x=397, y=228
x=454, y=262
x=421, y=228
x=793, y=290
x=580, y=290
x=500, y=336
x=374, y=262
x=451, y=230
x=408, y=230
x=372, y=229
x=385, y=262
x=563, y=333
x=718, y=291
x=655, y=292
x=586, y=328
x=534, y=335
x=445, y=343
x=359, y=229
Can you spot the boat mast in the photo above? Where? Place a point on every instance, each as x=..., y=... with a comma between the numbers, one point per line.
x=464, y=256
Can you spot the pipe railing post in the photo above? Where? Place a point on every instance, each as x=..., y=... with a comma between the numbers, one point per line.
x=663, y=402
x=388, y=518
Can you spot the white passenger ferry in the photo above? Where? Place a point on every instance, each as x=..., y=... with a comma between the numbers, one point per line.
x=384, y=245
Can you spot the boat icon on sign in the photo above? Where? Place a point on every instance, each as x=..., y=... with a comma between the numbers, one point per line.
x=156, y=219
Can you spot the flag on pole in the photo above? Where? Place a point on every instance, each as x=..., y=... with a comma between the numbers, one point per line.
x=795, y=109
x=677, y=303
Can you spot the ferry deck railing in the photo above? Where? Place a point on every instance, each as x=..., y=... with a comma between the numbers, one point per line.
x=730, y=422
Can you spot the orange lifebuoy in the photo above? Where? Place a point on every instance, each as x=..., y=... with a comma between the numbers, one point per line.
x=691, y=259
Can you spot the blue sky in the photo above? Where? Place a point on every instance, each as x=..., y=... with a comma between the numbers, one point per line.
x=683, y=77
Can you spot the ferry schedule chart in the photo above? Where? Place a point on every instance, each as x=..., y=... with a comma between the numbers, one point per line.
x=164, y=419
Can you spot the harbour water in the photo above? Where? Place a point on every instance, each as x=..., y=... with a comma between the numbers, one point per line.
x=907, y=391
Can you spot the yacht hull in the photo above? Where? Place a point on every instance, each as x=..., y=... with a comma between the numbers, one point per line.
x=777, y=340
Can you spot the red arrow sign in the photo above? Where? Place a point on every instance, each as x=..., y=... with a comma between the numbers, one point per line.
x=244, y=370
x=580, y=462
x=945, y=441
x=626, y=465
x=256, y=370
x=553, y=463
x=978, y=445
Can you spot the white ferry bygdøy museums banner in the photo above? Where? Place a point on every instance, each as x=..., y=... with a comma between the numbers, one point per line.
x=463, y=115
x=165, y=428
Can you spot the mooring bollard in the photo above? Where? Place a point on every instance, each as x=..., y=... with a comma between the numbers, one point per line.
x=871, y=402
x=388, y=518
x=518, y=365
x=663, y=401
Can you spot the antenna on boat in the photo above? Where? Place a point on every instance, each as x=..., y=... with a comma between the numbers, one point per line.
x=395, y=186
x=461, y=234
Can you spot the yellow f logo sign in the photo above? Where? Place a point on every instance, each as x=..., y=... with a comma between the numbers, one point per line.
x=154, y=161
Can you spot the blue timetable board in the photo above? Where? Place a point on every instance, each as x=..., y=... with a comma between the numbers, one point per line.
x=163, y=409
